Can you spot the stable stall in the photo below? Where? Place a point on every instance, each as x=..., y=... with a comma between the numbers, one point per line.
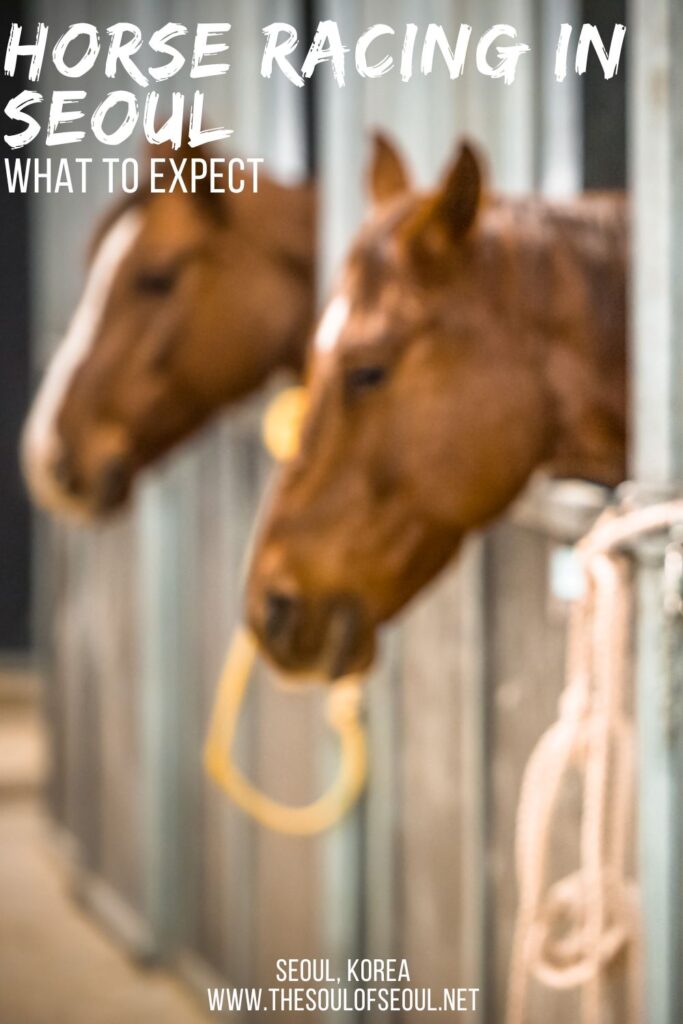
x=140, y=613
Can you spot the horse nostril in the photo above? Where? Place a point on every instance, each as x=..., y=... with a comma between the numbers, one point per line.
x=113, y=483
x=280, y=610
x=65, y=474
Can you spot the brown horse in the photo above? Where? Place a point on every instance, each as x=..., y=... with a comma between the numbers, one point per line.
x=469, y=341
x=191, y=302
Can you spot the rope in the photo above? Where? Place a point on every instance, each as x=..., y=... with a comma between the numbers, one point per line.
x=281, y=429
x=568, y=935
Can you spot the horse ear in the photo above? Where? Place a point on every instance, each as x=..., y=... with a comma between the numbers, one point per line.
x=459, y=198
x=388, y=176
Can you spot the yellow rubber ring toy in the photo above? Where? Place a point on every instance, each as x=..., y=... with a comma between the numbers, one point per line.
x=281, y=432
x=344, y=717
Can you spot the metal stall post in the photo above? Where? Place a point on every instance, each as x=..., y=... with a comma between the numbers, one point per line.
x=657, y=465
x=341, y=163
x=561, y=136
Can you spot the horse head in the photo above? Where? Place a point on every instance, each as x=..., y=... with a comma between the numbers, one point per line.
x=191, y=301
x=434, y=395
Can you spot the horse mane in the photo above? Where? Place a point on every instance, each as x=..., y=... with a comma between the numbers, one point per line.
x=260, y=214
x=281, y=219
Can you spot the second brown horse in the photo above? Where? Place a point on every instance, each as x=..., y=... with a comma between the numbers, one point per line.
x=470, y=340
x=191, y=302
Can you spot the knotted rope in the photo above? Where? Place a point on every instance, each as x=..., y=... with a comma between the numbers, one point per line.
x=568, y=935
x=282, y=425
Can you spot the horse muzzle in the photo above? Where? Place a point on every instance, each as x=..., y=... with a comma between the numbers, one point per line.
x=328, y=636
x=74, y=484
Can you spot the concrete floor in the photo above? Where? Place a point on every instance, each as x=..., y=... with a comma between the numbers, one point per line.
x=56, y=966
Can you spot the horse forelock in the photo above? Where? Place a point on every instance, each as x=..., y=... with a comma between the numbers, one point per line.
x=368, y=267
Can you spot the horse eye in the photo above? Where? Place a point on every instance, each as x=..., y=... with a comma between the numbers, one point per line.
x=364, y=378
x=157, y=282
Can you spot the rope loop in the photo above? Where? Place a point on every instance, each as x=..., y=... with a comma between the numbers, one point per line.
x=559, y=950
x=569, y=933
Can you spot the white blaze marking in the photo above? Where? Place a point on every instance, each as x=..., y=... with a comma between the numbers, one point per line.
x=40, y=443
x=332, y=324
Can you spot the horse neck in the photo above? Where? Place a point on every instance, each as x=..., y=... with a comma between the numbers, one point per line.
x=567, y=267
x=284, y=220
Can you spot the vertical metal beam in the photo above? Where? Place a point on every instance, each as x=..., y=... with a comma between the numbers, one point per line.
x=561, y=142
x=341, y=203
x=657, y=175
x=517, y=107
